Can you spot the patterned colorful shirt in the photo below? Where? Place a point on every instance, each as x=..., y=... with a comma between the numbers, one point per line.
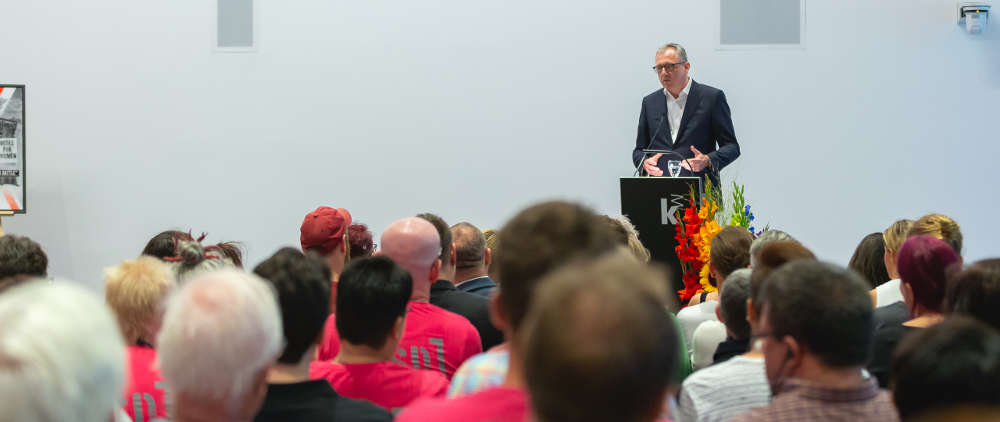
x=480, y=372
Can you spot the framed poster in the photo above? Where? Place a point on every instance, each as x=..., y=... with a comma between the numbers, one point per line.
x=12, y=187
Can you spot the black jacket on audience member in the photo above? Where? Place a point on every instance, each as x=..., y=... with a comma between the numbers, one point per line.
x=473, y=307
x=889, y=330
x=315, y=401
x=729, y=349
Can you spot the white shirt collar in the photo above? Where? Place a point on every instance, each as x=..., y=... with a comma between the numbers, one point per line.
x=684, y=92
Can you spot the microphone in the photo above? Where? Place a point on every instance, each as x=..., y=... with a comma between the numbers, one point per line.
x=645, y=152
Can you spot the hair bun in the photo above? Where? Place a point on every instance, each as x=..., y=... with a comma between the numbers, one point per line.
x=190, y=252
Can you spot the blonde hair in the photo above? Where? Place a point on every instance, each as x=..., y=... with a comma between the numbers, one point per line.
x=896, y=234
x=941, y=227
x=135, y=291
x=634, y=244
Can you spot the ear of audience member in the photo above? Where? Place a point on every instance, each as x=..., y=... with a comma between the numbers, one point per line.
x=434, y=338
x=869, y=260
x=596, y=331
x=770, y=257
x=975, y=292
x=536, y=241
x=950, y=371
x=61, y=355
x=938, y=226
x=136, y=291
x=360, y=240
x=472, y=260
x=770, y=235
x=816, y=337
x=221, y=334
x=447, y=296
x=21, y=259
x=373, y=294
x=302, y=284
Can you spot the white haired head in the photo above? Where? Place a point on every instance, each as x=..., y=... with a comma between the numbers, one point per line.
x=220, y=331
x=62, y=357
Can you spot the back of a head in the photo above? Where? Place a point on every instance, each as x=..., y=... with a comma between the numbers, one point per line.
x=302, y=284
x=61, y=355
x=412, y=243
x=925, y=264
x=444, y=234
x=733, y=303
x=164, y=244
x=825, y=308
x=730, y=250
x=954, y=363
x=770, y=235
x=869, y=260
x=20, y=258
x=895, y=235
x=362, y=243
x=599, y=345
x=941, y=227
x=470, y=245
x=371, y=294
x=219, y=332
x=191, y=258
x=539, y=239
x=771, y=257
x=136, y=291
x=975, y=292
x=631, y=239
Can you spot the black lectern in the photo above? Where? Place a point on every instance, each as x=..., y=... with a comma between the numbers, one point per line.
x=652, y=203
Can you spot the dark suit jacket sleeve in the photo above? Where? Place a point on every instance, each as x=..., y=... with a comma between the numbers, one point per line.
x=641, y=137
x=725, y=135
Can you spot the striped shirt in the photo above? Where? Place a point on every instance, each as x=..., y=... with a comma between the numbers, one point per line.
x=722, y=391
x=800, y=400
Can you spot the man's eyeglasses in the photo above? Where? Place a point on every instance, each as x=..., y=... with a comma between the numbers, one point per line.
x=668, y=67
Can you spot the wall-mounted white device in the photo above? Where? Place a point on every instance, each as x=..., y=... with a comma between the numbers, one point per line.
x=974, y=15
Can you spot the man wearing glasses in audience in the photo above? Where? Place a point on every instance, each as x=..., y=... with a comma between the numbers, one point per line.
x=687, y=118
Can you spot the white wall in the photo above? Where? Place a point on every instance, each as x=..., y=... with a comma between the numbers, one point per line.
x=475, y=109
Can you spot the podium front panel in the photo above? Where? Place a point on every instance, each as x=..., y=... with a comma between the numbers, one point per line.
x=652, y=203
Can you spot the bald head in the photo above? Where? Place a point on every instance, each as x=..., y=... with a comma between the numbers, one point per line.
x=414, y=244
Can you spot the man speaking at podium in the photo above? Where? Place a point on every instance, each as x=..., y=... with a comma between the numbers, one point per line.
x=687, y=118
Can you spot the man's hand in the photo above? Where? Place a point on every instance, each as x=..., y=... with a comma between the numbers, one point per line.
x=650, y=166
x=698, y=163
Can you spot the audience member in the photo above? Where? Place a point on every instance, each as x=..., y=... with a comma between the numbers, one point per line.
x=233, y=251
x=536, y=241
x=221, y=334
x=869, y=260
x=632, y=238
x=136, y=291
x=816, y=335
x=472, y=260
x=191, y=259
x=888, y=293
x=433, y=338
x=597, y=346
x=770, y=235
x=61, y=355
x=730, y=251
x=948, y=372
x=302, y=285
x=444, y=294
x=325, y=232
x=359, y=241
x=164, y=244
x=738, y=383
x=21, y=259
x=940, y=227
x=373, y=296
x=925, y=264
x=770, y=257
x=975, y=292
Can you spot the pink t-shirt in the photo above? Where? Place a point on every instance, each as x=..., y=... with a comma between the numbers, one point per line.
x=144, y=390
x=387, y=384
x=433, y=339
x=498, y=404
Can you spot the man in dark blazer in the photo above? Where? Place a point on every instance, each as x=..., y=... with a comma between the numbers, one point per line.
x=472, y=260
x=687, y=118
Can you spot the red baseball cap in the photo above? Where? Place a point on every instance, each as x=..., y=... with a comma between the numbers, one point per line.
x=324, y=228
